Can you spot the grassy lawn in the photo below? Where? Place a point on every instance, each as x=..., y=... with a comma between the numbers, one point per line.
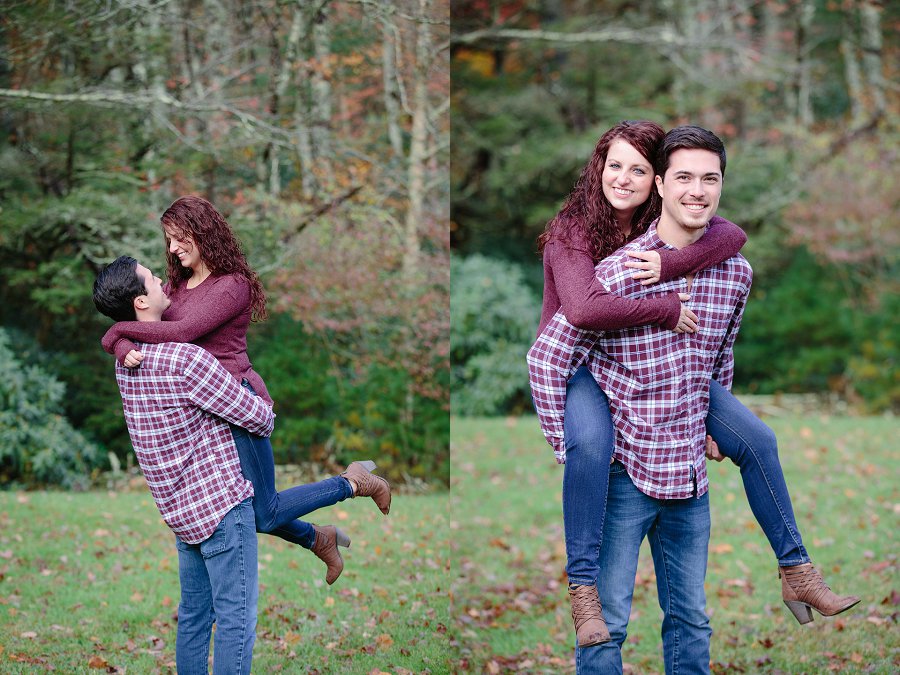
x=511, y=612
x=89, y=583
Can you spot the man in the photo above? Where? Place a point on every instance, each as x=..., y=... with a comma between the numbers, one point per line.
x=177, y=408
x=657, y=383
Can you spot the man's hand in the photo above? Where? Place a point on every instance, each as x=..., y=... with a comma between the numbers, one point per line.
x=650, y=268
x=687, y=320
x=712, y=450
x=133, y=359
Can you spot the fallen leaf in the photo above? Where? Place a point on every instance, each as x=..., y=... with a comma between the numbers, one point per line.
x=97, y=662
x=384, y=641
x=29, y=635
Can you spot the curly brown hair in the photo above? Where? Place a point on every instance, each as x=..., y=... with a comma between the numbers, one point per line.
x=196, y=219
x=587, y=215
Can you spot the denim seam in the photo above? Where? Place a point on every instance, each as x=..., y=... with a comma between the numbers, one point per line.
x=668, y=608
x=795, y=536
x=244, y=609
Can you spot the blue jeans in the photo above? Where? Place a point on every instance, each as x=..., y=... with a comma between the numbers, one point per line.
x=277, y=512
x=752, y=446
x=741, y=436
x=678, y=531
x=589, y=438
x=218, y=584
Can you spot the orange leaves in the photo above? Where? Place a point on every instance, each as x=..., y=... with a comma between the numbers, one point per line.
x=98, y=662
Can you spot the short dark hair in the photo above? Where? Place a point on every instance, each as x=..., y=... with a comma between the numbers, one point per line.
x=116, y=287
x=688, y=138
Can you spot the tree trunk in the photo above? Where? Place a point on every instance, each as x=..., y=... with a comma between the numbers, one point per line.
x=321, y=90
x=389, y=46
x=804, y=76
x=870, y=15
x=281, y=81
x=417, y=148
x=853, y=76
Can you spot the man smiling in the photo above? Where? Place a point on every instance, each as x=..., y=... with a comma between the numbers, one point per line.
x=657, y=383
x=177, y=408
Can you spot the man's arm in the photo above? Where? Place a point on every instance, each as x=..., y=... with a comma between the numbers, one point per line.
x=723, y=370
x=213, y=389
x=556, y=353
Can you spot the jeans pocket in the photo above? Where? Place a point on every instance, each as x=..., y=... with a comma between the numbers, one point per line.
x=215, y=543
x=616, y=468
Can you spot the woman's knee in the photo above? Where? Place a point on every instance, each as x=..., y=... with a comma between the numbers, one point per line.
x=588, y=438
x=588, y=424
x=263, y=517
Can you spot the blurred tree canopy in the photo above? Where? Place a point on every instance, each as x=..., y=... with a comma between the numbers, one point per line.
x=320, y=130
x=803, y=92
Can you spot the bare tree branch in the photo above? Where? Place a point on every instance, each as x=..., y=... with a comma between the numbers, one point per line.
x=646, y=35
x=324, y=208
x=143, y=99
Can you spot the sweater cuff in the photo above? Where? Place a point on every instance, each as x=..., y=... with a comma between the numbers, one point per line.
x=672, y=310
x=663, y=267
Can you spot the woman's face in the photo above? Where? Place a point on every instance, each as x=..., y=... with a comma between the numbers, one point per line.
x=182, y=246
x=627, y=178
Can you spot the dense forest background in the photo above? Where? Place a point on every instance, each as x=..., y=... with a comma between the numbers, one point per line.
x=804, y=94
x=321, y=131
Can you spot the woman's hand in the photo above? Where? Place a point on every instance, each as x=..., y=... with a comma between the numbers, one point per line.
x=687, y=320
x=650, y=268
x=712, y=450
x=133, y=359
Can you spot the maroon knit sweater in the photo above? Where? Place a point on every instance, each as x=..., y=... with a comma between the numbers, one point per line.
x=570, y=282
x=213, y=315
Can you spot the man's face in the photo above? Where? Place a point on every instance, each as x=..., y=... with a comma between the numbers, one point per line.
x=155, y=299
x=691, y=188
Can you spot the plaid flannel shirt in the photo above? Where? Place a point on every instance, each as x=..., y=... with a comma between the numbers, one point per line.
x=177, y=407
x=657, y=381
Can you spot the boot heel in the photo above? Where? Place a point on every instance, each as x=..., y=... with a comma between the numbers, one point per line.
x=800, y=610
x=343, y=540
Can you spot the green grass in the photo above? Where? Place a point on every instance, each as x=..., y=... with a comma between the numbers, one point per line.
x=510, y=608
x=92, y=579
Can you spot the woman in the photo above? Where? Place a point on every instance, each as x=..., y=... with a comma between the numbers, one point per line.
x=214, y=295
x=614, y=201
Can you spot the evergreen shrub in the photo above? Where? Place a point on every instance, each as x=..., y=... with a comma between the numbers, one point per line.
x=38, y=446
x=494, y=316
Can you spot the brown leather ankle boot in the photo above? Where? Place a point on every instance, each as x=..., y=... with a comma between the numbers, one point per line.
x=802, y=588
x=590, y=628
x=328, y=538
x=368, y=484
